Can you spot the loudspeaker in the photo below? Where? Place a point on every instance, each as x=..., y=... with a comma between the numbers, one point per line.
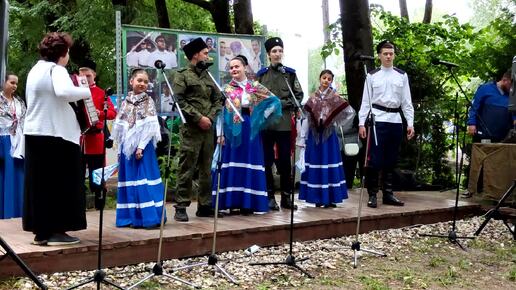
x=4, y=33
x=512, y=98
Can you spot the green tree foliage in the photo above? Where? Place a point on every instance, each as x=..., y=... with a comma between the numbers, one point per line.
x=481, y=54
x=92, y=25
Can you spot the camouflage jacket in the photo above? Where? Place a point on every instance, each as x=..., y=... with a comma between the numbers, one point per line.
x=274, y=80
x=196, y=94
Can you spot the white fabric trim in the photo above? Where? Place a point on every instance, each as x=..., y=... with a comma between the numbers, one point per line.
x=246, y=190
x=139, y=182
x=324, y=166
x=243, y=165
x=139, y=205
x=324, y=185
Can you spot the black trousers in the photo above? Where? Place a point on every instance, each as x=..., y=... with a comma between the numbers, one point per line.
x=282, y=139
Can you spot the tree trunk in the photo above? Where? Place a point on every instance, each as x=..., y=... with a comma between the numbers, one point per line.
x=219, y=10
x=326, y=20
x=428, y=12
x=403, y=9
x=162, y=12
x=243, y=17
x=357, y=40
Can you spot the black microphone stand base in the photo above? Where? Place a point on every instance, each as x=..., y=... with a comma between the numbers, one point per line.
x=157, y=270
x=212, y=261
x=452, y=238
x=99, y=277
x=289, y=261
x=356, y=247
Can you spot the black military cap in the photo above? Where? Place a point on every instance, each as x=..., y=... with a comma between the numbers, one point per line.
x=385, y=44
x=272, y=42
x=194, y=47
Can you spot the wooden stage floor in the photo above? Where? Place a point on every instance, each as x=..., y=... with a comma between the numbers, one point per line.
x=124, y=246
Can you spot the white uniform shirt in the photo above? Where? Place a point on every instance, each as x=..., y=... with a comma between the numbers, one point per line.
x=167, y=57
x=388, y=87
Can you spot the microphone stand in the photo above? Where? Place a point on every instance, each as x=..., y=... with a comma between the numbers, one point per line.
x=291, y=261
x=212, y=258
x=157, y=269
x=371, y=124
x=100, y=275
x=9, y=252
x=452, y=234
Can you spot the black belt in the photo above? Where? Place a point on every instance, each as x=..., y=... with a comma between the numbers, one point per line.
x=388, y=110
x=246, y=111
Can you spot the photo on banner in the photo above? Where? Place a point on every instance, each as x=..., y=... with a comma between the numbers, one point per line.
x=143, y=46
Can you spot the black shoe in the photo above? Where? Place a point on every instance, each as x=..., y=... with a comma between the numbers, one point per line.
x=286, y=202
x=331, y=205
x=246, y=211
x=390, y=199
x=62, y=239
x=207, y=211
x=372, y=202
x=40, y=240
x=181, y=215
x=273, y=205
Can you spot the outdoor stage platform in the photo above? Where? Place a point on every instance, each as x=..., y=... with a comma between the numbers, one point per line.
x=123, y=246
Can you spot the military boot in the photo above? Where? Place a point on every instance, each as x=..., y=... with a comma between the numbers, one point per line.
x=372, y=186
x=388, y=194
x=286, y=201
x=273, y=205
x=181, y=215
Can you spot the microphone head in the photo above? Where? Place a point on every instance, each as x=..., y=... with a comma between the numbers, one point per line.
x=435, y=61
x=203, y=65
x=109, y=91
x=159, y=64
x=365, y=57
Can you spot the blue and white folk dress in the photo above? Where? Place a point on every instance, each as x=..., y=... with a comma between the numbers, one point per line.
x=140, y=188
x=12, y=114
x=323, y=181
x=243, y=183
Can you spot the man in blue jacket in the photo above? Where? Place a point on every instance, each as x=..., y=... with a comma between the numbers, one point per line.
x=489, y=116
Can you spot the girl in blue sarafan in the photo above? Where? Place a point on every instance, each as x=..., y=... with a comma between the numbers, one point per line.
x=323, y=181
x=12, y=114
x=136, y=130
x=243, y=185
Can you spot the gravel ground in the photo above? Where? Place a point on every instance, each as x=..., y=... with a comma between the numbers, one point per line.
x=412, y=262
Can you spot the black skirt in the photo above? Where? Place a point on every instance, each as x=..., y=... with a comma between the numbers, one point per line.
x=54, y=199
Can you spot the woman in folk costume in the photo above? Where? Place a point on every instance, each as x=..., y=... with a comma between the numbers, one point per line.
x=243, y=184
x=322, y=180
x=12, y=113
x=136, y=130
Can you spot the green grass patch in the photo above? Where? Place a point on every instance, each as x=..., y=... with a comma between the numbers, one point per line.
x=511, y=276
x=373, y=283
x=436, y=261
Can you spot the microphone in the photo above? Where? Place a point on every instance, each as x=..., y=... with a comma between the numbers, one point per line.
x=204, y=65
x=109, y=91
x=159, y=64
x=445, y=63
x=365, y=57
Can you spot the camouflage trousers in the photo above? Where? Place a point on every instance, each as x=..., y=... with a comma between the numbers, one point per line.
x=196, y=152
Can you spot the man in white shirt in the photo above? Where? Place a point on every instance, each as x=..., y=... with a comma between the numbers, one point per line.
x=255, y=62
x=386, y=94
x=161, y=53
x=166, y=100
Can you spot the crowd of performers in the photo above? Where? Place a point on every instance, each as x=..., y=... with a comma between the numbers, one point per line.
x=255, y=128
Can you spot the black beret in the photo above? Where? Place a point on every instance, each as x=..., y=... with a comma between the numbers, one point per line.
x=272, y=42
x=194, y=47
x=385, y=44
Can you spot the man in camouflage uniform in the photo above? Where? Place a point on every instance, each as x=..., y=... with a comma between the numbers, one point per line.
x=200, y=101
x=273, y=77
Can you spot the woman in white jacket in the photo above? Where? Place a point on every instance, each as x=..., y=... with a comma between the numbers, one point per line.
x=54, y=200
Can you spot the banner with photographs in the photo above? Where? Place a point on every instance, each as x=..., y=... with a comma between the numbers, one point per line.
x=143, y=46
